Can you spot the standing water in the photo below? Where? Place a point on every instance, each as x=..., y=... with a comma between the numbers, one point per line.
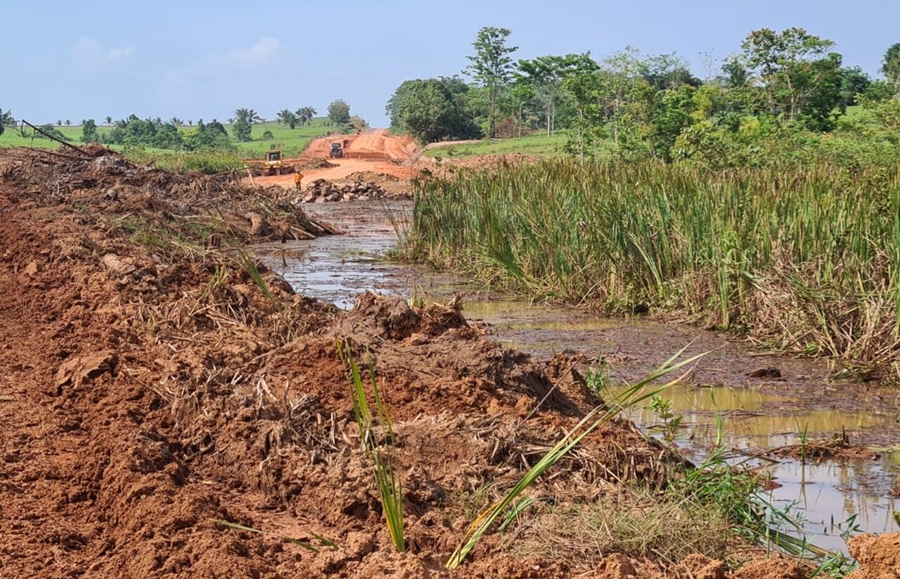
x=762, y=402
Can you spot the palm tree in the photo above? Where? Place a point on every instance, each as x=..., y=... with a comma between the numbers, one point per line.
x=248, y=116
x=176, y=122
x=68, y=122
x=6, y=120
x=286, y=117
x=306, y=114
x=108, y=121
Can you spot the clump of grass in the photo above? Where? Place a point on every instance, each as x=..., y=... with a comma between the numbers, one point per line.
x=387, y=479
x=597, y=417
x=637, y=524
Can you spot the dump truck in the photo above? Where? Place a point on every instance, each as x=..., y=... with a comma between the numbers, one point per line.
x=336, y=151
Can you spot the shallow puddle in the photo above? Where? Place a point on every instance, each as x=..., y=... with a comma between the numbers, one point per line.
x=757, y=413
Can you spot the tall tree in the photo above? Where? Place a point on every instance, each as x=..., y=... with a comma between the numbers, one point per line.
x=243, y=121
x=286, y=117
x=108, y=121
x=854, y=82
x=248, y=116
x=545, y=74
x=890, y=66
x=339, y=112
x=306, y=114
x=791, y=66
x=492, y=67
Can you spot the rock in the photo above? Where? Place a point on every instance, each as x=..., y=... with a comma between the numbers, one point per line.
x=88, y=367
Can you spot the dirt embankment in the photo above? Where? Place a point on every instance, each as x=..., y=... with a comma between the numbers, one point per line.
x=148, y=389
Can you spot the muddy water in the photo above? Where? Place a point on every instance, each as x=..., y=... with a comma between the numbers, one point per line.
x=757, y=413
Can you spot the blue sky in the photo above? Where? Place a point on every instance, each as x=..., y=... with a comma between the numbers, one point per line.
x=202, y=59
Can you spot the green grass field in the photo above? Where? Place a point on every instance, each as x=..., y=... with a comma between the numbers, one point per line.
x=292, y=142
x=536, y=144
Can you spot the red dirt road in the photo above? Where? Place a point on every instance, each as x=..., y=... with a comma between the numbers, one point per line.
x=374, y=151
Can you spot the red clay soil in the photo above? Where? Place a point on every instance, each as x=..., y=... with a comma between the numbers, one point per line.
x=150, y=388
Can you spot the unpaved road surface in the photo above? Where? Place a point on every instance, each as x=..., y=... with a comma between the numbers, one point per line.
x=374, y=151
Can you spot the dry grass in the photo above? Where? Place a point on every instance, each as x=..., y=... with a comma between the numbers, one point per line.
x=664, y=529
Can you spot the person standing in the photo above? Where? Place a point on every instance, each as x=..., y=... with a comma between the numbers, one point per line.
x=298, y=178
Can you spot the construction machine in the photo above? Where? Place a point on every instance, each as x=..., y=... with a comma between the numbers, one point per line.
x=336, y=151
x=274, y=162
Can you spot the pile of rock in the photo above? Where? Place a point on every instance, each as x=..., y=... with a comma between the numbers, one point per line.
x=321, y=191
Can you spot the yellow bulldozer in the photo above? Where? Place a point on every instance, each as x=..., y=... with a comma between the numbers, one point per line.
x=274, y=162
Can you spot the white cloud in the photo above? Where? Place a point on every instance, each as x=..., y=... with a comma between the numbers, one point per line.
x=120, y=53
x=263, y=52
x=90, y=56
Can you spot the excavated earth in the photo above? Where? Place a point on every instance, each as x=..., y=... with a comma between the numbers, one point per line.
x=150, y=387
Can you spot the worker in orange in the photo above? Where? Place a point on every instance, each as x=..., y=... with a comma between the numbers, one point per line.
x=298, y=177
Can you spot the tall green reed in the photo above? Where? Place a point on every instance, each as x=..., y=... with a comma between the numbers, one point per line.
x=801, y=255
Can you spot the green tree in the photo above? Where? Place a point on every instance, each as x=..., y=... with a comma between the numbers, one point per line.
x=890, y=65
x=242, y=124
x=673, y=111
x=211, y=136
x=249, y=116
x=545, y=75
x=306, y=114
x=667, y=71
x=492, y=67
x=795, y=71
x=431, y=110
x=736, y=74
x=6, y=120
x=108, y=121
x=89, y=131
x=854, y=81
x=286, y=117
x=339, y=113
x=176, y=122
x=585, y=89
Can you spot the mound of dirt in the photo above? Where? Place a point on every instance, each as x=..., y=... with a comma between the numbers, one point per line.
x=104, y=182
x=371, y=176
x=836, y=448
x=878, y=557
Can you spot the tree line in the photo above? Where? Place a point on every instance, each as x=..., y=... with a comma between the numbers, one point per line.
x=172, y=134
x=650, y=105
